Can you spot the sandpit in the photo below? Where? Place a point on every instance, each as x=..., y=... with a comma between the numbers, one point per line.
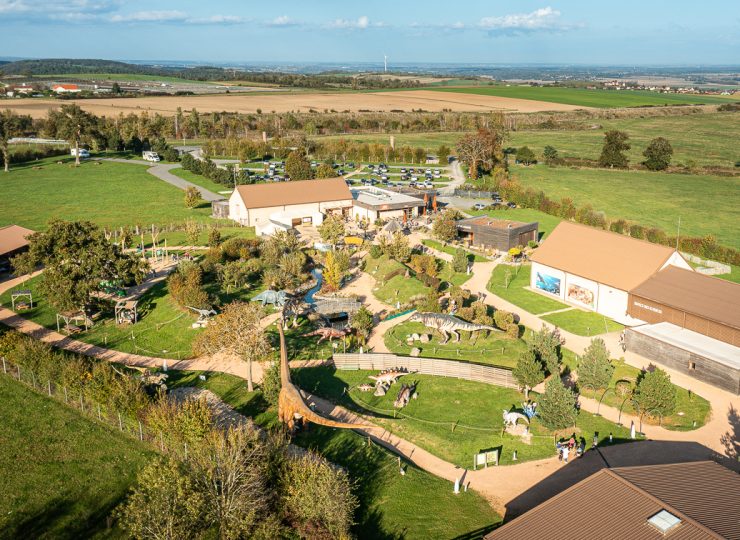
x=426, y=100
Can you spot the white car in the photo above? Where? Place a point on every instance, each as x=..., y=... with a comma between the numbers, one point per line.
x=479, y=206
x=84, y=153
x=150, y=156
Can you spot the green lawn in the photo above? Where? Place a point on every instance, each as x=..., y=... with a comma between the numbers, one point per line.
x=110, y=194
x=587, y=98
x=417, y=505
x=516, y=293
x=496, y=349
x=62, y=474
x=453, y=419
x=706, y=204
x=398, y=288
x=450, y=250
x=179, y=238
x=583, y=323
x=125, y=77
x=690, y=408
x=201, y=181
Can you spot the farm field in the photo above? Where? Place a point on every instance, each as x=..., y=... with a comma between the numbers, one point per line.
x=62, y=473
x=474, y=409
x=546, y=222
x=706, y=204
x=428, y=100
x=587, y=98
x=707, y=138
x=122, y=77
x=109, y=194
x=417, y=505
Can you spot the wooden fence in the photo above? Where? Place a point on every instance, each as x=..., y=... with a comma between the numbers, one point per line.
x=428, y=366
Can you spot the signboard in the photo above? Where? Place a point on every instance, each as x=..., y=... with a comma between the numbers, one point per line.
x=484, y=459
x=547, y=283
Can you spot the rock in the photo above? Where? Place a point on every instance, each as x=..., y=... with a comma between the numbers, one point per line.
x=415, y=337
x=415, y=352
x=380, y=390
x=425, y=338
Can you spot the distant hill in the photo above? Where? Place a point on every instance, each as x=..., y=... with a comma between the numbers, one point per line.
x=58, y=66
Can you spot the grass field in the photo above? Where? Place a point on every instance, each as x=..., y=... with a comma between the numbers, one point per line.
x=707, y=139
x=583, y=323
x=110, y=194
x=453, y=419
x=450, y=250
x=201, y=181
x=588, y=98
x=417, y=505
x=706, y=204
x=496, y=349
x=123, y=77
x=62, y=474
x=515, y=292
x=546, y=222
x=690, y=408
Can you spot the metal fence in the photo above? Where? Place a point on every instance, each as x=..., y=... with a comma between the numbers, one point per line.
x=427, y=366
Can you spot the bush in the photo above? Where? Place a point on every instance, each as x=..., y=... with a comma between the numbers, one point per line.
x=375, y=251
x=271, y=383
x=460, y=260
x=503, y=319
x=186, y=286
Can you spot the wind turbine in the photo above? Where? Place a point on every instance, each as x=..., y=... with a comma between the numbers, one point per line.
x=385, y=63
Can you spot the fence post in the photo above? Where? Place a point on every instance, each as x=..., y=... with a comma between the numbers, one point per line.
x=161, y=441
x=65, y=395
x=141, y=432
x=49, y=386
x=82, y=403
x=120, y=424
x=19, y=373
x=100, y=417
x=33, y=378
x=186, y=450
x=5, y=369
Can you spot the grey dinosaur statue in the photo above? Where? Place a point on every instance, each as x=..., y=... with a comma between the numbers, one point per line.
x=404, y=395
x=388, y=376
x=448, y=324
x=203, y=314
x=293, y=307
x=276, y=298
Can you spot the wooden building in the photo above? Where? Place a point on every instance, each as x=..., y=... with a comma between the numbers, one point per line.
x=500, y=234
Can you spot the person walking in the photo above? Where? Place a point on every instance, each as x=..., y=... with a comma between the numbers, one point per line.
x=566, y=451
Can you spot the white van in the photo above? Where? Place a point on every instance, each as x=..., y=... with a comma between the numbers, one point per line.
x=150, y=156
x=84, y=153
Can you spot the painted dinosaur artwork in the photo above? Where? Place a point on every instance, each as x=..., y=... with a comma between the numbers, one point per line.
x=328, y=333
x=448, y=324
x=389, y=376
x=291, y=403
x=276, y=298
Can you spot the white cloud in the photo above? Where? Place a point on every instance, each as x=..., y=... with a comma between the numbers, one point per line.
x=543, y=19
x=218, y=19
x=150, y=16
x=284, y=21
x=361, y=23
x=81, y=7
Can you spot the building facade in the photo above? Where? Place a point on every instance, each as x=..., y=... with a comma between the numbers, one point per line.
x=499, y=234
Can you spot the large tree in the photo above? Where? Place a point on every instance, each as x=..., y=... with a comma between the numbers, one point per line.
x=655, y=393
x=547, y=346
x=297, y=166
x=77, y=257
x=658, y=154
x=362, y=323
x=236, y=330
x=595, y=368
x=613, y=151
x=332, y=230
x=11, y=125
x=445, y=227
x=73, y=124
x=557, y=406
x=528, y=371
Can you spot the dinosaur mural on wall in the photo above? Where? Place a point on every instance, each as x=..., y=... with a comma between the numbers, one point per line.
x=291, y=403
x=448, y=324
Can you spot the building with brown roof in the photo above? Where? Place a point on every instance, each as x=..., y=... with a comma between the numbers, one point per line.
x=499, y=234
x=13, y=241
x=282, y=205
x=595, y=269
x=682, y=501
x=694, y=325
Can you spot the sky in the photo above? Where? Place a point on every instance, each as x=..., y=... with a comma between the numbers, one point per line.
x=622, y=32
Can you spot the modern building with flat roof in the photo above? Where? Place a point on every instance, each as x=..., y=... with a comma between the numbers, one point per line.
x=499, y=234
x=373, y=203
x=595, y=269
x=681, y=501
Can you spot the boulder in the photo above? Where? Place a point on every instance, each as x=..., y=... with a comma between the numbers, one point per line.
x=415, y=337
x=380, y=390
x=415, y=352
x=425, y=338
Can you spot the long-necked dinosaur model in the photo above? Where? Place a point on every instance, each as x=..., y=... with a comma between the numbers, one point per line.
x=448, y=324
x=290, y=401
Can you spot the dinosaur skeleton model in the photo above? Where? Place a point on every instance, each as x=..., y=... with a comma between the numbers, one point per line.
x=448, y=324
x=511, y=418
x=389, y=376
x=328, y=333
x=290, y=401
x=404, y=395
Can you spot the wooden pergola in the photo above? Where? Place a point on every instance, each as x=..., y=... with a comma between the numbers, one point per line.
x=72, y=321
x=127, y=312
x=19, y=295
x=330, y=306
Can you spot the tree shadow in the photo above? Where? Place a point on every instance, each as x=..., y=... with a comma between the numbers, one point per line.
x=731, y=439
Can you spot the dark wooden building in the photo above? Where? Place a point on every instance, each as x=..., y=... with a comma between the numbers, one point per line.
x=501, y=234
x=693, y=325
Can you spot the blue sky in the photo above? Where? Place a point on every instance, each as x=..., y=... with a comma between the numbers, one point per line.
x=623, y=32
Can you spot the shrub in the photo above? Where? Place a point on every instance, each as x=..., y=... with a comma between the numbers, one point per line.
x=460, y=260
x=186, y=286
x=271, y=383
x=503, y=319
x=655, y=393
x=375, y=251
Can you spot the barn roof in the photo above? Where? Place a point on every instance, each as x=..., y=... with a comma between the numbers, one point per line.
x=13, y=237
x=294, y=192
x=602, y=256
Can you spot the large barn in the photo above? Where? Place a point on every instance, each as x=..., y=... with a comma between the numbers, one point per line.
x=283, y=205
x=13, y=241
x=596, y=269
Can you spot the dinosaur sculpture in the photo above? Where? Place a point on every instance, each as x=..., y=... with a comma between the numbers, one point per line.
x=294, y=307
x=404, y=395
x=328, y=332
x=276, y=298
x=511, y=418
x=203, y=314
x=290, y=401
x=364, y=387
x=448, y=324
x=389, y=376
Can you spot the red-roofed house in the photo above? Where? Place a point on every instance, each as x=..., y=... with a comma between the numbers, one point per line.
x=65, y=88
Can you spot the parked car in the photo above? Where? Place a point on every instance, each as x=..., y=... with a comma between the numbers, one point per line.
x=479, y=206
x=511, y=204
x=84, y=153
x=150, y=156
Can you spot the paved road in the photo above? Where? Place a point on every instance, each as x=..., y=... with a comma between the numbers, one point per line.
x=458, y=179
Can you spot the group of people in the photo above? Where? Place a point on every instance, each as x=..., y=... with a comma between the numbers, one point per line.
x=530, y=409
x=565, y=448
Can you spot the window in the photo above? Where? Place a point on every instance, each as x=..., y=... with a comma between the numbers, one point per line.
x=664, y=521
x=692, y=365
